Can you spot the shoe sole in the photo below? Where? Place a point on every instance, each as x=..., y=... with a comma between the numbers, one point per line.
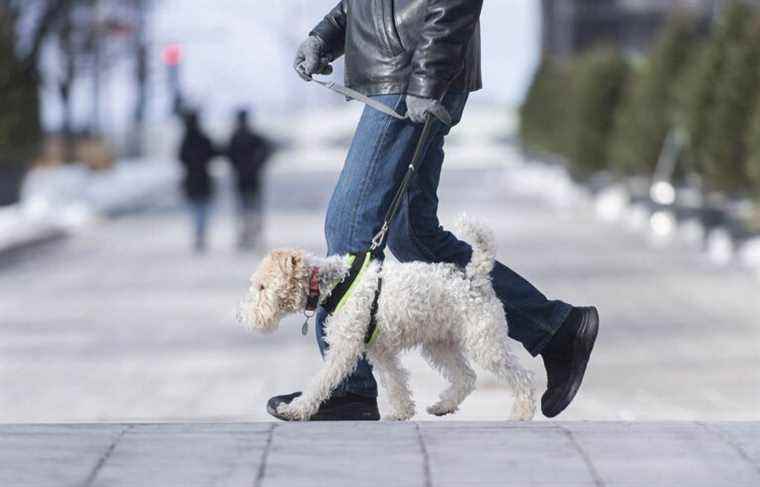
x=586, y=339
x=367, y=416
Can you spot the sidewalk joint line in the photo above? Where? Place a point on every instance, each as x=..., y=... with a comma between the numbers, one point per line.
x=736, y=447
x=106, y=455
x=584, y=455
x=425, y=456
x=261, y=473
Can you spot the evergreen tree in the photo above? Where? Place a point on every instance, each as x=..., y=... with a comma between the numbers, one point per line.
x=698, y=95
x=600, y=76
x=752, y=141
x=544, y=113
x=725, y=149
x=646, y=115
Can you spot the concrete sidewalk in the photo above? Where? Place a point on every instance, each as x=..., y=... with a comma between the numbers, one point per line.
x=382, y=454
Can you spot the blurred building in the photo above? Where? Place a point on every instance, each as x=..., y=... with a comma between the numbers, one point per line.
x=570, y=26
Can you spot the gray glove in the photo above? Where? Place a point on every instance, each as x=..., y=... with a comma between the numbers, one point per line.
x=312, y=59
x=417, y=107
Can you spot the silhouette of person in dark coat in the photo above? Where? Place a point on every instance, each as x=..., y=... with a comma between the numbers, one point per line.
x=248, y=152
x=196, y=153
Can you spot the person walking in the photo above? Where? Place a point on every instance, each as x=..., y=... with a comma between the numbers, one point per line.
x=248, y=153
x=421, y=57
x=196, y=152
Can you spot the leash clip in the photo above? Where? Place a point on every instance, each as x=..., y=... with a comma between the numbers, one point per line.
x=377, y=241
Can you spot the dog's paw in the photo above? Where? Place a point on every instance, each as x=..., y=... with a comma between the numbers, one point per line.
x=523, y=410
x=442, y=408
x=398, y=416
x=293, y=412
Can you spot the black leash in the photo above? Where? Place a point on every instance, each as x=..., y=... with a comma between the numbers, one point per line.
x=333, y=301
x=335, y=298
x=419, y=151
x=362, y=259
x=381, y=236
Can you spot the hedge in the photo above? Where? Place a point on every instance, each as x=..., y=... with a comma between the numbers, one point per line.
x=544, y=113
x=647, y=112
x=603, y=115
x=600, y=75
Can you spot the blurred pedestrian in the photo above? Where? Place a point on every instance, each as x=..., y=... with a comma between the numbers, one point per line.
x=196, y=153
x=424, y=63
x=248, y=152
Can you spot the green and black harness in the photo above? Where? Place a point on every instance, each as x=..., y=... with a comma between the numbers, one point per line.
x=359, y=262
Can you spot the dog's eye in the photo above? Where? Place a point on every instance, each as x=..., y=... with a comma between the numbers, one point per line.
x=261, y=287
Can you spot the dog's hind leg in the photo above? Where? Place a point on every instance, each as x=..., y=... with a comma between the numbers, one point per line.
x=447, y=358
x=395, y=379
x=488, y=346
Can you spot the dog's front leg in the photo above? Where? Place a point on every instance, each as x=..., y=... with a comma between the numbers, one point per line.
x=395, y=378
x=340, y=360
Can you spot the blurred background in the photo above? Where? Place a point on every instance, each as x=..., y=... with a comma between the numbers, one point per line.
x=615, y=150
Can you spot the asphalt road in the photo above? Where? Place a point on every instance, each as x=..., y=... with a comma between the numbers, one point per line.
x=123, y=323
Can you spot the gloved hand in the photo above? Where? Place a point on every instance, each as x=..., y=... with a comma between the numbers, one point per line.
x=312, y=59
x=417, y=107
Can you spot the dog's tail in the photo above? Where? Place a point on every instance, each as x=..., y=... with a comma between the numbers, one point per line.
x=482, y=241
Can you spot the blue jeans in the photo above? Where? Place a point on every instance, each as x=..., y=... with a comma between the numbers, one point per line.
x=199, y=210
x=377, y=161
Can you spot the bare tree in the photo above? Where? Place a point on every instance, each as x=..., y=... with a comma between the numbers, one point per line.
x=88, y=44
x=24, y=27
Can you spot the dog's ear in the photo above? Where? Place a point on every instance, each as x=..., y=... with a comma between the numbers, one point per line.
x=289, y=261
x=296, y=260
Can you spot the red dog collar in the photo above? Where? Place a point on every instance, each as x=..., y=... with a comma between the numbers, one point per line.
x=312, y=301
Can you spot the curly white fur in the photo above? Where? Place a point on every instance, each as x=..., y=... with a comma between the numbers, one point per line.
x=453, y=315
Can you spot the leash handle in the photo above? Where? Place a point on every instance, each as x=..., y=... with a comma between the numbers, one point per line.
x=352, y=95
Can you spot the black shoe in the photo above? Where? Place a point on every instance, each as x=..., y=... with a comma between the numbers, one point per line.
x=566, y=358
x=344, y=408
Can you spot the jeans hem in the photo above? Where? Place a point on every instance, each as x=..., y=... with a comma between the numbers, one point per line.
x=560, y=315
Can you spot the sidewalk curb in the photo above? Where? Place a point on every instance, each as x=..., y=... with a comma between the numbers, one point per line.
x=13, y=252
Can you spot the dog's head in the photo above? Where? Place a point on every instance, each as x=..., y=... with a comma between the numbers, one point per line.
x=278, y=287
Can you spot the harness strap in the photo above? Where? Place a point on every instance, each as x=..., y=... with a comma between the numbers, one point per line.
x=373, y=330
x=342, y=292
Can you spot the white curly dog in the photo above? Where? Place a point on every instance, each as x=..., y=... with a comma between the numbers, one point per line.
x=453, y=314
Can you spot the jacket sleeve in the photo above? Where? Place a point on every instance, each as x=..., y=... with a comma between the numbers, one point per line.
x=332, y=30
x=446, y=32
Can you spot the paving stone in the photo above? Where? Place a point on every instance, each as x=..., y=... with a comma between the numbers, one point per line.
x=661, y=454
x=186, y=455
x=345, y=454
x=513, y=455
x=51, y=455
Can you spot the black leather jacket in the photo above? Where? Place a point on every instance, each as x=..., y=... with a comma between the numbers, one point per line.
x=419, y=47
